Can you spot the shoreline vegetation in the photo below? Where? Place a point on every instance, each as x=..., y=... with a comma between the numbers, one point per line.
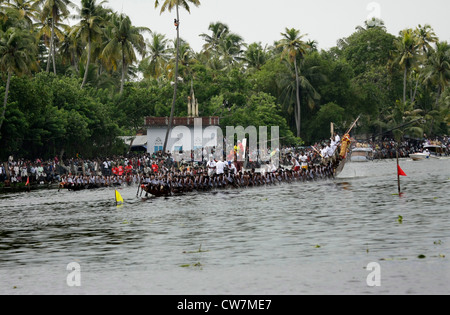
x=69, y=90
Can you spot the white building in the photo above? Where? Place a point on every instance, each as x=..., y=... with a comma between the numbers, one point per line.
x=188, y=133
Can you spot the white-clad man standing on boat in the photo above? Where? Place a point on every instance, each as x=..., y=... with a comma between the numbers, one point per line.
x=220, y=166
x=211, y=165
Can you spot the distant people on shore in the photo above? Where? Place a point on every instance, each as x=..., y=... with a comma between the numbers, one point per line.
x=136, y=167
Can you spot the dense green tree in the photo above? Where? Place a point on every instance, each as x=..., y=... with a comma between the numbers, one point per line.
x=388, y=79
x=366, y=48
x=255, y=56
x=17, y=56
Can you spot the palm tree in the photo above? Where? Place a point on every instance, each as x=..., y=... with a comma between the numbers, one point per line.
x=230, y=48
x=170, y=5
x=45, y=29
x=55, y=10
x=17, y=56
x=26, y=9
x=293, y=48
x=3, y=15
x=219, y=31
x=89, y=28
x=154, y=65
x=425, y=36
x=287, y=84
x=437, y=68
x=123, y=41
x=71, y=49
x=405, y=54
x=256, y=56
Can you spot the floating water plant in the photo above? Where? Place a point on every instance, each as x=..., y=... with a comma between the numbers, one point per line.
x=400, y=219
x=401, y=258
x=198, y=264
x=196, y=251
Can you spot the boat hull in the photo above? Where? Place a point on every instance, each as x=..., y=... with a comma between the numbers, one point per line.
x=419, y=156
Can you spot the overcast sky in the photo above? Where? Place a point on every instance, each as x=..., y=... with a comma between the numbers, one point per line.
x=325, y=21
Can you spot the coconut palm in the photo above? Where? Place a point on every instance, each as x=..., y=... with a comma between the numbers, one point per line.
x=45, y=29
x=169, y=5
x=71, y=49
x=287, y=85
x=89, y=28
x=25, y=9
x=17, y=56
x=293, y=48
x=158, y=56
x=124, y=39
x=3, y=15
x=256, y=56
x=56, y=10
x=405, y=54
x=230, y=48
x=437, y=68
x=219, y=31
x=425, y=36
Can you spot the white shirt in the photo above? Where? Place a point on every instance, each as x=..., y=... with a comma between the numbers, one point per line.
x=211, y=167
x=329, y=151
x=232, y=168
x=219, y=167
x=211, y=164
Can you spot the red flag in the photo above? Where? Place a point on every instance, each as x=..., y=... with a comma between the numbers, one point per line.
x=400, y=171
x=28, y=181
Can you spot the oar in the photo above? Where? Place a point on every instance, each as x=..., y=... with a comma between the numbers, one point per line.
x=353, y=125
x=137, y=192
x=317, y=151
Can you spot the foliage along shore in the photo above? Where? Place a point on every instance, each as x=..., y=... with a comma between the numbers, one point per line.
x=52, y=105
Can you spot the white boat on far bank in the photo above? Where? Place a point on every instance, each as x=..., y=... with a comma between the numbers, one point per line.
x=429, y=151
x=362, y=154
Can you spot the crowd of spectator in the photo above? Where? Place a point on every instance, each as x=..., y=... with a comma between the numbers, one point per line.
x=52, y=170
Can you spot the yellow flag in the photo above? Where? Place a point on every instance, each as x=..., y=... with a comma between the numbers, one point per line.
x=118, y=197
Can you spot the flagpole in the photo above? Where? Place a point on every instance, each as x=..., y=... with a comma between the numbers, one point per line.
x=398, y=173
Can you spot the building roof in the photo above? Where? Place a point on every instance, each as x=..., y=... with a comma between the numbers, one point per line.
x=138, y=141
x=181, y=121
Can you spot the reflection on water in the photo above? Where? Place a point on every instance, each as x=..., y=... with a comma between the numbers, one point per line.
x=299, y=238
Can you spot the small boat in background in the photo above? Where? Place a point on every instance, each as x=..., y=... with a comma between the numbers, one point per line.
x=429, y=151
x=362, y=153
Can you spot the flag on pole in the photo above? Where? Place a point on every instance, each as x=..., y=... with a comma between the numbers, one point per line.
x=400, y=171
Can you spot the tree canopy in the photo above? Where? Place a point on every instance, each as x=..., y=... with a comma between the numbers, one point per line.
x=108, y=74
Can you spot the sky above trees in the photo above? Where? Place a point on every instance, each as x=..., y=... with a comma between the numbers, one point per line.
x=262, y=21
